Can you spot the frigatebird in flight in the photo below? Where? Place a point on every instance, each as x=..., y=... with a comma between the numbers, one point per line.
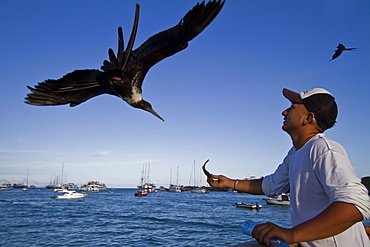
x=339, y=50
x=124, y=73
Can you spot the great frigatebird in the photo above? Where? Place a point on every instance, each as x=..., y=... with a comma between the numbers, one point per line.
x=123, y=75
x=339, y=50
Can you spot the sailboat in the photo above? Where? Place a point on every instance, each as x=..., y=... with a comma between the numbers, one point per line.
x=25, y=188
x=197, y=189
x=147, y=186
x=141, y=191
x=175, y=187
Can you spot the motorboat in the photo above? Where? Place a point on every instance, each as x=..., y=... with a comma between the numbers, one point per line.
x=174, y=188
x=93, y=186
x=141, y=193
x=6, y=186
x=248, y=205
x=200, y=190
x=70, y=194
x=19, y=186
x=282, y=199
x=60, y=190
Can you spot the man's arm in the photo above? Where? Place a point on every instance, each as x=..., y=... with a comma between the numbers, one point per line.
x=335, y=219
x=247, y=186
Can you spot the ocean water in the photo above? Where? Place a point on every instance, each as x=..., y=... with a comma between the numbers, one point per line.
x=33, y=218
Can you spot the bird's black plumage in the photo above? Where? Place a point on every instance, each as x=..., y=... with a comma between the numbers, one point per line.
x=124, y=73
x=339, y=50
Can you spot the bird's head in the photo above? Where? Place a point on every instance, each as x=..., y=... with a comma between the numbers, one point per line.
x=146, y=106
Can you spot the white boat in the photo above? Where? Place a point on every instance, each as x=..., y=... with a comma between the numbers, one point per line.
x=70, y=194
x=200, y=190
x=282, y=199
x=248, y=205
x=93, y=186
x=197, y=189
x=71, y=186
x=6, y=186
x=174, y=188
x=60, y=190
x=148, y=188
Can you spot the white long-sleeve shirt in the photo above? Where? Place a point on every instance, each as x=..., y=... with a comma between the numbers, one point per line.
x=317, y=175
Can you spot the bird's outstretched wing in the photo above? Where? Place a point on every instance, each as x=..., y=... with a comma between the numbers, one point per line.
x=172, y=40
x=336, y=54
x=73, y=89
x=338, y=51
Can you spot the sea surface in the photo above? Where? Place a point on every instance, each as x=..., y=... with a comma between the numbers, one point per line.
x=33, y=218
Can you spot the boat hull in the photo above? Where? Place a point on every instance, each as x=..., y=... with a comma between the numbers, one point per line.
x=248, y=205
x=141, y=193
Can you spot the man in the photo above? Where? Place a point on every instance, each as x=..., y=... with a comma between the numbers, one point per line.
x=328, y=201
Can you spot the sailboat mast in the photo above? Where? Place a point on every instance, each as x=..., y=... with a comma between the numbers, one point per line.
x=147, y=175
x=170, y=176
x=194, y=173
x=142, y=177
x=177, y=177
x=62, y=172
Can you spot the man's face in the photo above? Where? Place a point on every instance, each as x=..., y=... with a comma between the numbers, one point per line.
x=294, y=117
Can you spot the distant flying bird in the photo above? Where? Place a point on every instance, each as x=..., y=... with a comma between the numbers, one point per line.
x=123, y=75
x=339, y=50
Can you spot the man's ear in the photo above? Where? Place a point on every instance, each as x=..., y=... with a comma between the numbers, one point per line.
x=310, y=118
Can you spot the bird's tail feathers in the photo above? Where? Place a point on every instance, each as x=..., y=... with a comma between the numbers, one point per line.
x=119, y=62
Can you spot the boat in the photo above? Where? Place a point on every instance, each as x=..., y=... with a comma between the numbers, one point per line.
x=55, y=184
x=282, y=199
x=229, y=190
x=200, y=190
x=175, y=187
x=71, y=186
x=148, y=188
x=146, y=185
x=70, y=194
x=93, y=186
x=6, y=186
x=24, y=187
x=248, y=205
x=196, y=189
x=141, y=191
x=19, y=186
x=59, y=190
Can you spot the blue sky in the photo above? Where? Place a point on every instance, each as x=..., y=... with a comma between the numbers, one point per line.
x=221, y=97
